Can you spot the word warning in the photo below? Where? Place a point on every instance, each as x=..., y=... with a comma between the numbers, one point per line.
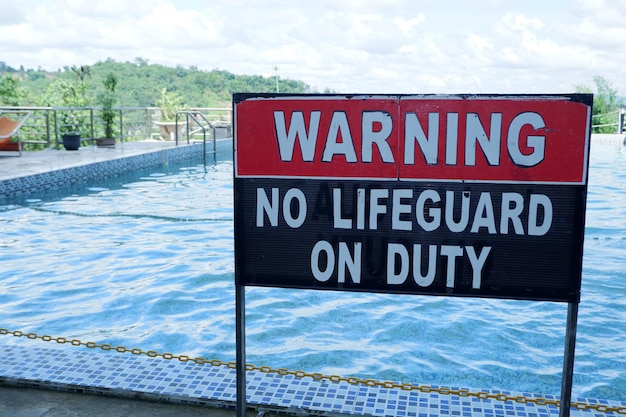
x=479, y=196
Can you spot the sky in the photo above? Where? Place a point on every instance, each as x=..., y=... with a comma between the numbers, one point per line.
x=348, y=46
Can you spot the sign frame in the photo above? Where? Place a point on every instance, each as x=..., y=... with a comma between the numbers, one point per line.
x=411, y=188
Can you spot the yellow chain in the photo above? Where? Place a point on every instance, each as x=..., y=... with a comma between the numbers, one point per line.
x=318, y=376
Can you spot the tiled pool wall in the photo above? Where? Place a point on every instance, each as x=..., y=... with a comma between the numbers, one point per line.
x=47, y=181
x=33, y=363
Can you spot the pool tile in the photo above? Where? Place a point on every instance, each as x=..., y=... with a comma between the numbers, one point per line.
x=106, y=373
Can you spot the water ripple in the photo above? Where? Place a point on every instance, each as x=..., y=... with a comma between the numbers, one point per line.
x=147, y=261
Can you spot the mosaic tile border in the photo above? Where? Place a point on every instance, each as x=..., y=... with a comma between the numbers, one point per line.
x=53, y=180
x=130, y=376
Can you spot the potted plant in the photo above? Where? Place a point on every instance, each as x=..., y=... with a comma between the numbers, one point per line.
x=107, y=114
x=70, y=119
x=168, y=104
x=72, y=96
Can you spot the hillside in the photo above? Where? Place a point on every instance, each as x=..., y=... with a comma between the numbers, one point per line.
x=140, y=84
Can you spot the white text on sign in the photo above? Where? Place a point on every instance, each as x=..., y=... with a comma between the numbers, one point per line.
x=376, y=128
x=425, y=211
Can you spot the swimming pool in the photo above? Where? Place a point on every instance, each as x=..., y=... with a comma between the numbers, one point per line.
x=146, y=260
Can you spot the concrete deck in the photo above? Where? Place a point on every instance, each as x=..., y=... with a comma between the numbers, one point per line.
x=48, y=160
x=30, y=402
x=54, y=168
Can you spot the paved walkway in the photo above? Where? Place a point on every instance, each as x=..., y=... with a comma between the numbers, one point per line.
x=29, y=402
x=48, y=160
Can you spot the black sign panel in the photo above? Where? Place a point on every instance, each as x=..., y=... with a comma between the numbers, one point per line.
x=493, y=240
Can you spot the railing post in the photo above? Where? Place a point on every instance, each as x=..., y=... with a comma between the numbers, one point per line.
x=56, y=129
x=187, y=125
x=48, y=128
x=176, y=129
x=121, y=127
x=147, y=123
x=620, y=121
x=93, y=132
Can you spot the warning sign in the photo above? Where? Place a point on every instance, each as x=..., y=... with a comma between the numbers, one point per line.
x=443, y=195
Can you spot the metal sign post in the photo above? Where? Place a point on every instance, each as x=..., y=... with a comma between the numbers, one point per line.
x=240, y=338
x=568, y=361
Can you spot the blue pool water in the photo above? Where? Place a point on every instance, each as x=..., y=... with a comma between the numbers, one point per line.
x=146, y=260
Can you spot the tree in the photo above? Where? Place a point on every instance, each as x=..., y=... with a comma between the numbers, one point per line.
x=605, y=104
x=107, y=100
x=82, y=73
x=140, y=84
x=9, y=91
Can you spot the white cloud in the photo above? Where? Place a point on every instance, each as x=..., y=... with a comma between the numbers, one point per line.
x=408, y=26
x=521, y=23
x=601, y=25
x=350, y=46
x=11, y=14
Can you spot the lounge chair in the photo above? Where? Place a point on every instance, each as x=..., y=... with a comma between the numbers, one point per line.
x=9, y=128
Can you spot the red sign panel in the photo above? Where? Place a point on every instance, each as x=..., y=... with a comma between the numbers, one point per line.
x=443, y=195
x=476, y=138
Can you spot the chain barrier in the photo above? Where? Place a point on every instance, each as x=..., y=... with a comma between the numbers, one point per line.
x=318, y=376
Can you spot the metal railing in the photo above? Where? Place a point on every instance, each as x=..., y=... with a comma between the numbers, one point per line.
x=611, y=122
x=197, y=118
x=7, y=143
x=219, y=117
x=36, y=130
x=44, y=127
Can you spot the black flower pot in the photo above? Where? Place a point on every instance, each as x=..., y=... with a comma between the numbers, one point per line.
x=71, y=141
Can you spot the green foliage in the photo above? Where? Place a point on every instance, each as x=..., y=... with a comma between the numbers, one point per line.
x=107, y=100
x=9, y=91
x=70, y=93
x=82, y=73
x=140, y=84
x=169, y=103
x=605, y=104
x=12, y=92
